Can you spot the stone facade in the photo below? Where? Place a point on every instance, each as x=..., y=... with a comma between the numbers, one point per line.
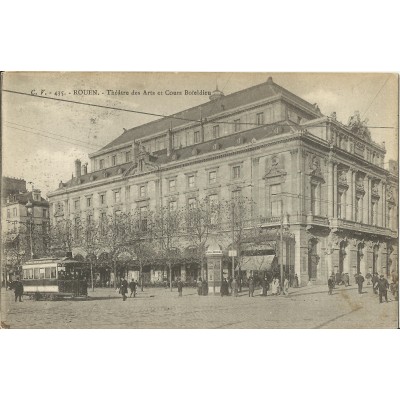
x=323, y=180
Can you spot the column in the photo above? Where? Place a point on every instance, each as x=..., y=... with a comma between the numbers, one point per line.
x=349, y=195
x=365, y=201
x=330, y=189
x=383, y=204
x=335, y=193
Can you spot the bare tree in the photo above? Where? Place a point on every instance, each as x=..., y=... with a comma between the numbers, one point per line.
x=238, y=225
x=201, y=218
x=64, y=234
x=140, y=238
x=167, y=228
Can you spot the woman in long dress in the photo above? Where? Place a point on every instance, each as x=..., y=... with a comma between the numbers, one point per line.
x=275, y=286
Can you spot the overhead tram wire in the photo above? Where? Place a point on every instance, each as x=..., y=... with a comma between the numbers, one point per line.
x=54, y=134
x=173, y=116
x=93, y=148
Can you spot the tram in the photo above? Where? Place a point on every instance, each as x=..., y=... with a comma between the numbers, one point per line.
x=54, y=277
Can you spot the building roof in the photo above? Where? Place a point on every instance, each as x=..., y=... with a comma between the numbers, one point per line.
x=250, y=95
x=161, y=157
x=22, y=198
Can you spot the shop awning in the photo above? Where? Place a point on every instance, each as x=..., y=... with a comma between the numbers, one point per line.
x=259, y=263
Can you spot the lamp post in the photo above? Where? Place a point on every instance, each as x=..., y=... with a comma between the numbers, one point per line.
x=29, y=210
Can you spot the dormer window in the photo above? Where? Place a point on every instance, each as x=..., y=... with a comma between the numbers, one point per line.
x=101, y=163
x=114, y=160
x=260, y=118
x=215, y=131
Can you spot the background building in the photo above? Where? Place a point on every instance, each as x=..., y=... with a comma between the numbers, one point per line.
x=25, y=225
x=321, y=199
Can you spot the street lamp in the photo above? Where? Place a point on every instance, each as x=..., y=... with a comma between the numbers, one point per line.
x=29, y=210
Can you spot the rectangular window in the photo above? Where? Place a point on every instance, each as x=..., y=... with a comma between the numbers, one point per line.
x=172, y=185
x=236, y=195
x=36, y=273
x=160, y=143
x=14, y=212
x=127, y=156
x=127, y=193
x=191, y=181
x=389, y=218
x=212, y=177
x=236, y=172
x=172, y=206
x=114, y=160
x=197, y=138
x=44, y=212
x=29, y=273
x=215, y=132
x=102, y=199
x=192, y=203
x=237, y=125
x=339, y=205
x=276, y=201
x=117, y=196
x=53, y=272
x=77, y=204
x=142, y=191
x=47, y=273
x=260, y=118
x=176, y=141
x=41, y=273
x=88, y=201
x=101, y=162
x=8, y=213
x=143, y=219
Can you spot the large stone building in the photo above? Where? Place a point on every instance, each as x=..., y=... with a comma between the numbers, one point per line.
x=323, y=180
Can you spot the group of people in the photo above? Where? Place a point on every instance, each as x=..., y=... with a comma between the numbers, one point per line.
x=380, y=284
x=123, y=288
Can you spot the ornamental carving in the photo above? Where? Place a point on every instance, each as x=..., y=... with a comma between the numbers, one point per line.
x=389, y=194
x=342, y=177
x=275, y=168
x=359, y=127
x=315, y=167
x=360, y=184
x=375, y=189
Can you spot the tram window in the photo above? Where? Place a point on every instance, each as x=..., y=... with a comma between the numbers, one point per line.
x=53, y=272
x=47, y=273
x=41, y=273
x=30, y=273
x=36, y=273
x=25, y=274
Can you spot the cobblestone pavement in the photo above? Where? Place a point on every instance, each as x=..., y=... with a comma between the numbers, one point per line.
x=308, y=307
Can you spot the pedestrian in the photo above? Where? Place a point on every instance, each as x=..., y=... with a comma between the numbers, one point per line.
x=395, y=285
x=368, y=277
x=265, y=286
x=180, y=287
x=286, y=286
x=346, y=279
x=337, y=278
x=199, y=287
x=18, y=289
x=132, y=287
x=275, y=287
x=383, y=286
x=375, y=279
x=224, y=291
x=296, y=281
x=331, y=284
x=251, y=287
x=204, y=288
x=124, y=288
x=234, y=287
x=360, y=281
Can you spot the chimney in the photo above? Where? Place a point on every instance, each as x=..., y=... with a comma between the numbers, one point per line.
x=84, y=168
x=135, y=152
x=78, y=165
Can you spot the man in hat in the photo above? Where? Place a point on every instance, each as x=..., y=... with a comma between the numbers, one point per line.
x=331, y=283
x=18, y=289
x=360, y=282
x=383, y=286
x=180, y=287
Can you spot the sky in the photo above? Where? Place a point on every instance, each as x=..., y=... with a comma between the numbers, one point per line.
x=41, y=138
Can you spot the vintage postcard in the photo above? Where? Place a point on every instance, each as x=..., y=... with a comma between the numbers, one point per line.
x=199, y=200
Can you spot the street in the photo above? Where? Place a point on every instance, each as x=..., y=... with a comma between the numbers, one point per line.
x=307, y=307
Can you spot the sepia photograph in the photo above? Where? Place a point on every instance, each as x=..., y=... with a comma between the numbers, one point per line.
x=160, y=200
